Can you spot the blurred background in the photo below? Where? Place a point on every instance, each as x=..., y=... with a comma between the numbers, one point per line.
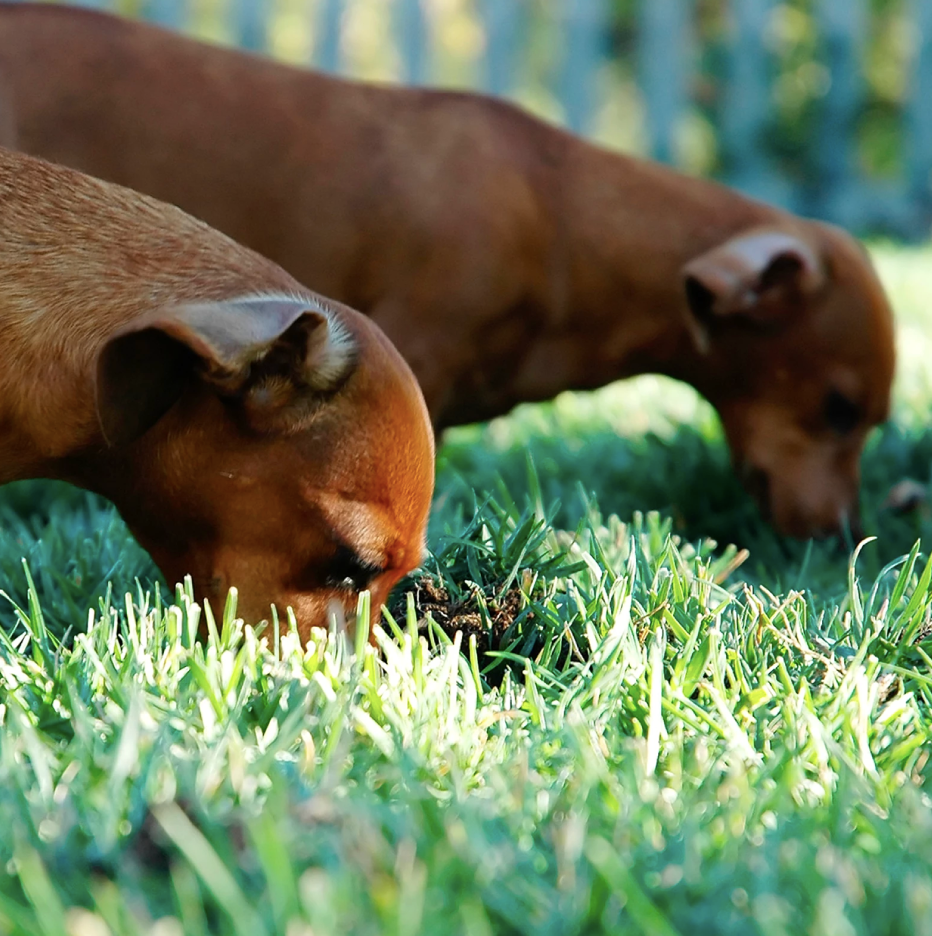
x=820, y=105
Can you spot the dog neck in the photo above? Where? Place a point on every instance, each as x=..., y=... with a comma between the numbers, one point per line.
x=615, y=301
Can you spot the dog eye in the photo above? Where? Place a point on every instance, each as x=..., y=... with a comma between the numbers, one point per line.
x=350, y=572
x=841, y=414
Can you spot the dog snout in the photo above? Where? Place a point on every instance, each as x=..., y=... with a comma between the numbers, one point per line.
x=804, y=510
x=843, y=526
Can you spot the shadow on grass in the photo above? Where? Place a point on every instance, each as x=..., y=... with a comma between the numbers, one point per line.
x=687, y=477
x=77, y=548
x=75, y=543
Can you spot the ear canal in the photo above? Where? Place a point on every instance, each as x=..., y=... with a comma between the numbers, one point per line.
x=786, y=269
x=140, y=376
x=700, y=297
x=304, y=367
x=762, y=277
x=265, y=351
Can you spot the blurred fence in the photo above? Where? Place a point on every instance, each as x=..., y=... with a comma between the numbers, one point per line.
x=824, y=106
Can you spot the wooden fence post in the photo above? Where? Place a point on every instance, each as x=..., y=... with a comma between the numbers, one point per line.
x=664, y=51
x=746, y=103
x=584, y=28
x=171, y=13
x=328, y=46
x=411, y=29
x=836, y=195
x=250, y=18
x=502, y=20
x=919, y=117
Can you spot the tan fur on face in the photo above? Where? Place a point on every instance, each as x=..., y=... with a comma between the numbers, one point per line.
x=276, y=399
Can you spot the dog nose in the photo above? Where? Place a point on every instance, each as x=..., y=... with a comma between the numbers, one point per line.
x=846, y=530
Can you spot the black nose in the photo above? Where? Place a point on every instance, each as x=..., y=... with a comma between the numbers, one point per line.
x=843, y=537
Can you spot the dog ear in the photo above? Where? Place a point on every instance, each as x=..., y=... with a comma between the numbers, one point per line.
x=279, y=357
x=759, y=277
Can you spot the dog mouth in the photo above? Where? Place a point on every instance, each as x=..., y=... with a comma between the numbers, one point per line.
x=847, y=531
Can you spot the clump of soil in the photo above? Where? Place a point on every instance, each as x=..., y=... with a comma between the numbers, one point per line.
x=431, y=597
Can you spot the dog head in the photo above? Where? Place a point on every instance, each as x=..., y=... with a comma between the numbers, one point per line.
x=796, y=352
x=272, y=443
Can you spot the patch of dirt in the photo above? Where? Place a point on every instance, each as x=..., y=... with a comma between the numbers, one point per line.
x=465, y=615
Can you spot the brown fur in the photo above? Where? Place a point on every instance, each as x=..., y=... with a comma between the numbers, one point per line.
x=113, y=304
x=507, y=260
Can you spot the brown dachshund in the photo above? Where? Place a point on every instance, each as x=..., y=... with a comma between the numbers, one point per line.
x=506, y=259
x=250, y=432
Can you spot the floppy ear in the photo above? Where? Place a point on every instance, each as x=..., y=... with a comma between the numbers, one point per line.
x=279, y=356
x=760, y=277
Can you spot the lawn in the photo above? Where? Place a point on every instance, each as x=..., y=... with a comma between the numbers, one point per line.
x=589, y=714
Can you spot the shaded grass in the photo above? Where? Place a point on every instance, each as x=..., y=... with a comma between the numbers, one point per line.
x=686, y=475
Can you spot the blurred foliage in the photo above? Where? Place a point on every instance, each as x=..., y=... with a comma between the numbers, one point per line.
x=800, y=77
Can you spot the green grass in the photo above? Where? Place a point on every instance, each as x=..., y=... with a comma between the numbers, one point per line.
x=636, y=733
